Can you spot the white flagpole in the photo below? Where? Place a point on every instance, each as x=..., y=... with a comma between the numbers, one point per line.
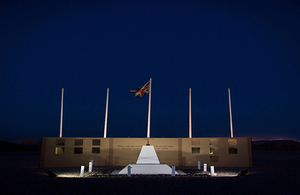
x=231, y=127
x=61, y=111
x=149, y=112
x=190, y=113
x=106, y=111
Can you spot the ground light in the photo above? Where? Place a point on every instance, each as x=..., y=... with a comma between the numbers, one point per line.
x=96, y=174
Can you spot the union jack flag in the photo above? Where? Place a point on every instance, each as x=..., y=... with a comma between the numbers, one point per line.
x=141, y=91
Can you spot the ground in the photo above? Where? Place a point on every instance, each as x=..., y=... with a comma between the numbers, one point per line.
x=274, y=172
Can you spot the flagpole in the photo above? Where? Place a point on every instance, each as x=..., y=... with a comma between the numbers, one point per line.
x=230, y=113
x=190, y=112
x=149, y=112
x=61, y=111
x=106, y=111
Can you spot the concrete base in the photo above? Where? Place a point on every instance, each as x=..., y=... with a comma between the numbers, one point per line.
x=148, y=169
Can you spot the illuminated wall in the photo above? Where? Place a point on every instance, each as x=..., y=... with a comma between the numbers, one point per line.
x=73, y=151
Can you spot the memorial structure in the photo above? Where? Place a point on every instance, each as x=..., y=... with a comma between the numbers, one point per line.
x=147, y=164
x=215, y=151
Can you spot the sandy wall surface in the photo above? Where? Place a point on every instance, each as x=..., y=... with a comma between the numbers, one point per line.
x=273, y=173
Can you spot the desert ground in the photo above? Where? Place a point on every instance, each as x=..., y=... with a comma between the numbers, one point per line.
x=274, y=172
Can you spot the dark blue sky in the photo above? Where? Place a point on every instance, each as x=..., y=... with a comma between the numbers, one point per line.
x=253, y=47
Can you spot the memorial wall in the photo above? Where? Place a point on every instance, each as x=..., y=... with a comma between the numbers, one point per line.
x=77, y=151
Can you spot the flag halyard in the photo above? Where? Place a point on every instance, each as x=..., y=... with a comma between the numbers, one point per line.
x=141, y=91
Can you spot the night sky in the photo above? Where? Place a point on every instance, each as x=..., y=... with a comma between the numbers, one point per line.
x=250, y=46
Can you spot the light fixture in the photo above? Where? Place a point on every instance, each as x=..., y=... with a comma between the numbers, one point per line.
x=51, y=174
x=243, y=173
